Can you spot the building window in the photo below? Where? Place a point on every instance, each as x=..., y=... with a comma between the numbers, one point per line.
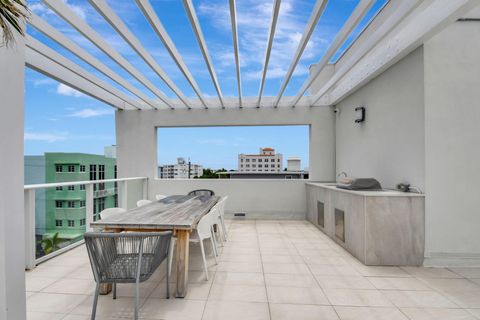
x=253, y=160
x=71, y=204
x=59, y=188
x=58, y=168
x=58, y=223
x=259, y=160
x=82, y=203
x=93, y=172
x=259, y=165
x=82, y=187
x=82, y=168
x=58, y=204
x=71, y=188
x=115, y=199
x=71, y=223
x=241, y=160
x=254, y=165
x=71, y=168
x=101, y=204
x=247, y=160
x=82, y=222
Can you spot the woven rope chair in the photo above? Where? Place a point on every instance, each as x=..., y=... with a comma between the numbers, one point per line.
x=201, y=192
x=126, y=258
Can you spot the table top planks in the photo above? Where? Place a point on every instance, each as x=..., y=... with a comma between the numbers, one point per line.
x=174, y=212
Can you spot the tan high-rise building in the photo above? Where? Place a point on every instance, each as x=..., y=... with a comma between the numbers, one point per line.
x=266, y=161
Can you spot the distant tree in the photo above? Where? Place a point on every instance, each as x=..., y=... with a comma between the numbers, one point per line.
x=211, y=173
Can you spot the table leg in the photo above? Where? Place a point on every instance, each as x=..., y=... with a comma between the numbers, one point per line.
x=105, y=288
x=181, y=259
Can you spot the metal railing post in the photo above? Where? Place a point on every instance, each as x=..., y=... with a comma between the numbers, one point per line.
x=145, y=188
x=30, y=239
x=123, y=194
x=89, y=205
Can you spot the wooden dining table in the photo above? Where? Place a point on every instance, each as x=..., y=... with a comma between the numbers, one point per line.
x=179, y=213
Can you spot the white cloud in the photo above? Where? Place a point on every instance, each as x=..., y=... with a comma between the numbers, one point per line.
x=253, y=19
x=46, y=137
x=65, y=90
x=90, y=113
x=79, y=11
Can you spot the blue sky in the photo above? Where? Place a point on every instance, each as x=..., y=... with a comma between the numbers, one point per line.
x=58, y=118
x=218, y=147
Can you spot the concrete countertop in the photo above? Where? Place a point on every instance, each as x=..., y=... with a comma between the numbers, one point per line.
x=383, y=193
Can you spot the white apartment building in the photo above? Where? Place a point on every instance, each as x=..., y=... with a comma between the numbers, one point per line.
x=180, y=170
x=266, y=161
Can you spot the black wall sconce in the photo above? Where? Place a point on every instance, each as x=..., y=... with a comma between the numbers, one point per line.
x=359, y=114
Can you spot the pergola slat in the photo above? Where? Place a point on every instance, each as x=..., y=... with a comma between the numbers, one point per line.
x=42, y=26
x=422, y=24
x=403, y=9
x=312, y=23
x=157, y=26
x=233, y=19
x=54, y=70
x=271, y=35
x=114, y=20
x=355, y=18
x=192, y=16
x=41, y=48
x=66, y=13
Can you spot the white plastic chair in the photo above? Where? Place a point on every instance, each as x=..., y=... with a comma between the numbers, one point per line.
x=160, y=196
x=110, y=211
x=221, y=216
x=143, y=202
x=203, y=231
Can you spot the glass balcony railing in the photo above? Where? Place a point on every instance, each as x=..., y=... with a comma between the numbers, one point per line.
x=56, y=218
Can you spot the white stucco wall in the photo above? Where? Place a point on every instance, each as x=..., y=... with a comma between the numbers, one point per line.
x=137, y=155
x=389, y=145
x=452, y=135
x=12, y=247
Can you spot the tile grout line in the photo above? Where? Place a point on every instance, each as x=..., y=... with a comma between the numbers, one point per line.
x=263, y=273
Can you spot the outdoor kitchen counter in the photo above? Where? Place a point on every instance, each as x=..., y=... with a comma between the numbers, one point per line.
x=377, y=227
x=366, y=193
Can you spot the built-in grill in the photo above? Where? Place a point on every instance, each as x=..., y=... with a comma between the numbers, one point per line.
x=359, y=184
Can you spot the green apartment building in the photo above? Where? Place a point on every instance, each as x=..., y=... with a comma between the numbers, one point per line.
x=65, y=206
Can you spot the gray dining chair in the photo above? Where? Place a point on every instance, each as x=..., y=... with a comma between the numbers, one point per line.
x=126, y=258
x=201, y=192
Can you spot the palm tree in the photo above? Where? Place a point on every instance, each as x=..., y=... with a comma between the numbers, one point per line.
x=12, y=12
x=50, y=244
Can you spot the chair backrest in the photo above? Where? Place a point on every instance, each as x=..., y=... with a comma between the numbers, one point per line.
x=160, y=196
x=204, y=226
x=114, y=257
x=201, y=192
x=110, y=211
x=143, y=202
x=221, y=204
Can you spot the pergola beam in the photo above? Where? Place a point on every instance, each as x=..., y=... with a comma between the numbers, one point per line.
x=233, y=19
x=66, y=13
x=192, y=16
x=312, y=23
x=271, y=35
x=398, y=13
x=157, y=26
x=42, y=26
x=66, y=63
x=114, y=20
x=427, y=20
x=355, y=18
x=53, y=69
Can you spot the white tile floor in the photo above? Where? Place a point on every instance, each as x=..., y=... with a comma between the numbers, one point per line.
x=267, y=270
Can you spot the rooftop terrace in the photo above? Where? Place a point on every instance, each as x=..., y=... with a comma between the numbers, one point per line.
x=267, y=270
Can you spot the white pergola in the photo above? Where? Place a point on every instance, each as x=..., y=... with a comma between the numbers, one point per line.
x=398, y=28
